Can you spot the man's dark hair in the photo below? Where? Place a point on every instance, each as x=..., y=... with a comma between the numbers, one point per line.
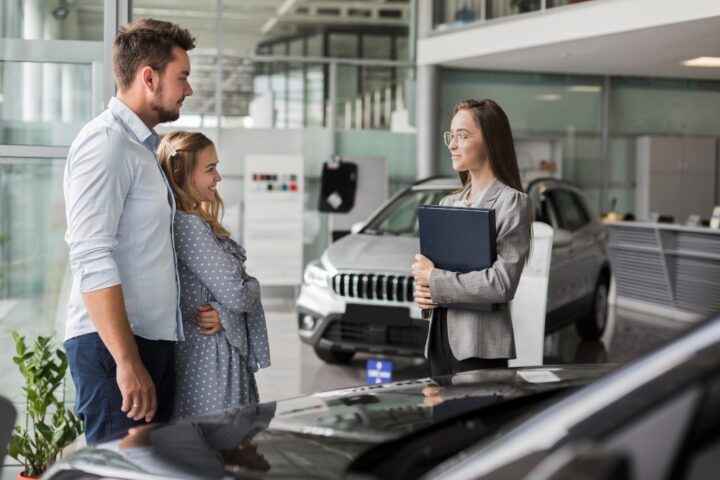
x=146, y=42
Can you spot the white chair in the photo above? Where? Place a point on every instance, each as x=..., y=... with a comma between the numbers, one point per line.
x=529, y=306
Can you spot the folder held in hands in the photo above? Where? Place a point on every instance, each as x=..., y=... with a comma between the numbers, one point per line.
x=459, y=240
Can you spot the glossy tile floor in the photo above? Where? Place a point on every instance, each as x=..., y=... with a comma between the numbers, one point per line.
x=296, y=370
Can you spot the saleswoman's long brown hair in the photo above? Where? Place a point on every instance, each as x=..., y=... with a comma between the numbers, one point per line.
x=497, y=136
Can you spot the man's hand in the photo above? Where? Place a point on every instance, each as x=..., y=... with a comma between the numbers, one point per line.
x=208, y=319
x=138, y=391
x=107, y=310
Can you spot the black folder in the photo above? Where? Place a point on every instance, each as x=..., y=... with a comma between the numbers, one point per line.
x=459, y=240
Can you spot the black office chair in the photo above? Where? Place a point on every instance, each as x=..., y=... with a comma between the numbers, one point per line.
x=7, y=423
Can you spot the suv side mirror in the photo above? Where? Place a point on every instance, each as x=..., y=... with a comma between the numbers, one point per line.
x=562, y=238
x=586, y=462
x=356, y=227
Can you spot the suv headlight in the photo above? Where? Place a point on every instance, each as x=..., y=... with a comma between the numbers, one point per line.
x=316, y=275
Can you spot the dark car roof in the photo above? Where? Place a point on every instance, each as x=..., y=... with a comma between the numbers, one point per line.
x=317, y=436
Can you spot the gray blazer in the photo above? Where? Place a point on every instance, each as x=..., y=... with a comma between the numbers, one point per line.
x=487, y=334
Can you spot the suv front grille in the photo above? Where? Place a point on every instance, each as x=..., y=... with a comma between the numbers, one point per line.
x=387, y=336
x=396, y=288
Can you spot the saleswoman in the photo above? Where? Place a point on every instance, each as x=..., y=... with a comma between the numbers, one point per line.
x=483, y=153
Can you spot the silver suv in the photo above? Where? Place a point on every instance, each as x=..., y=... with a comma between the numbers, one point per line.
x=358, y=297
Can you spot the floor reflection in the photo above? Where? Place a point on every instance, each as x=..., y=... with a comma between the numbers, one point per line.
x=628, y=335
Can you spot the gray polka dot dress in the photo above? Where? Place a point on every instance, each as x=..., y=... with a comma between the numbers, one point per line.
x=216, y=372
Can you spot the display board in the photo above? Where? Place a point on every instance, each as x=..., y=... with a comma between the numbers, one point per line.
x=371, y=191
x=528, y=308
x=273, y=218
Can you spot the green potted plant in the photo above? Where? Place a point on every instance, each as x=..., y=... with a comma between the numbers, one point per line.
x=50, y=426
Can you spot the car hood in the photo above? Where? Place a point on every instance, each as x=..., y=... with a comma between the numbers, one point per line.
x=372, y=253
x=315, y=436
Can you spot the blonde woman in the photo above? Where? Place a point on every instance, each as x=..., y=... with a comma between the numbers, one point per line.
x=223, y=319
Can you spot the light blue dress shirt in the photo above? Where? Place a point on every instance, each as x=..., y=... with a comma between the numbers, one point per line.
x=120, y=213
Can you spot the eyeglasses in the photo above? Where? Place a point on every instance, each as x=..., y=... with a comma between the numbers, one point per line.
x=458, y=136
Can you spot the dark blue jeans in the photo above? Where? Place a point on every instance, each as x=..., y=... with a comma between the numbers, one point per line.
x=98, y=399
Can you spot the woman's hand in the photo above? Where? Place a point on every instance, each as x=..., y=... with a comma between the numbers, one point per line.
x=433, y=396
x=208, y=319
x=422, y=269
x=423, y=299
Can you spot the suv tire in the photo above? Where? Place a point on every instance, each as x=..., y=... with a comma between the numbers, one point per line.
x=592, y=326
x=334, y=356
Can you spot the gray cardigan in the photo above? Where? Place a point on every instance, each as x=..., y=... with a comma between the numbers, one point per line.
x=487, y=334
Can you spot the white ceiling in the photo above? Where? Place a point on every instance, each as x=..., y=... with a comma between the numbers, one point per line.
x=652, y=52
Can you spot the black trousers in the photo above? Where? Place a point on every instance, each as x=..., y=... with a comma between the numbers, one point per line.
x=442, y=360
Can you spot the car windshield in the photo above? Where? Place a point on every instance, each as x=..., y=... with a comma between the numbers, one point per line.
x=400, y=217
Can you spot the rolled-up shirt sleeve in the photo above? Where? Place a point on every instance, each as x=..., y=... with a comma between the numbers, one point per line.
x=98, y=179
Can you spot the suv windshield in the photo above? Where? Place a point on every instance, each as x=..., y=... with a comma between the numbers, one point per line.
x=400, y=217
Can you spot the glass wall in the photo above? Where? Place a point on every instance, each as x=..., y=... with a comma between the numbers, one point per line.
x=48, y=106
x=47, y=66
x=366, y=94
x=457, y=13
x=564, y=110
x=33, y=254
x=568, y=109
x=51, y=72
x=51, y=80
x=652, y=106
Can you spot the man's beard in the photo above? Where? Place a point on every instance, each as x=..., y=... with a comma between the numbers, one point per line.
x=163, y=114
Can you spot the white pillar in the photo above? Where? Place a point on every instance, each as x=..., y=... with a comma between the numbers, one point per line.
x=367, y=111
x=32, y=72
x=348, y=115
x=428, y=136
x=12, y=20
x=69, y=108
x=51, y=75
x=358, y=113
x=12, y=88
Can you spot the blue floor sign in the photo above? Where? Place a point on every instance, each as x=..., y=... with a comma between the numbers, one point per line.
x=379, y=371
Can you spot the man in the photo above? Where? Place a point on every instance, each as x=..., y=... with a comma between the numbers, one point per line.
x=123, y=316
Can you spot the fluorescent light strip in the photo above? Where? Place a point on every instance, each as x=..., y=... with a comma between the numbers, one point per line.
x=707, y=62
x=269, y=25
x=585, y=89
x=549, y=97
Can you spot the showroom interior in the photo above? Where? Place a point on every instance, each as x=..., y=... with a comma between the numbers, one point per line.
x=618, y=100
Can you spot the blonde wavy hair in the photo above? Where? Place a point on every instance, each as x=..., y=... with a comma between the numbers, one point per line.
x=179, y=153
